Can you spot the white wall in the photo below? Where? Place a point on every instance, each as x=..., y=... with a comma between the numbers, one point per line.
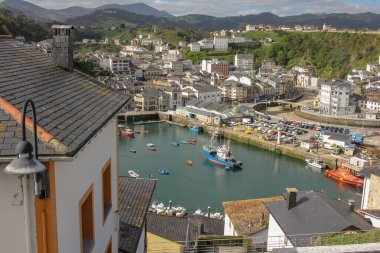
x=12, y=224
x=276, y=237
x=141, y=245
x=228, y=226
x=72, y=181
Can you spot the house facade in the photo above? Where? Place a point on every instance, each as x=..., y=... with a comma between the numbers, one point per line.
x=335, y=98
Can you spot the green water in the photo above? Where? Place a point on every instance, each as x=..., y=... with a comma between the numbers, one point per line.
x=264, y=174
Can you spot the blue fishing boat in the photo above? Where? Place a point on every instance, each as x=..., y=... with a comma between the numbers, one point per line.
x=221, y=156
x=164, y=171
x=196, y=128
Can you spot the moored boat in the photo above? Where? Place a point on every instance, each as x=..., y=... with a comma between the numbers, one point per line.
x=343, y=175
x=192, y=142
x=150, y=145
x=184, y=142
x=195, y=128
x=146, y=132
x=152, y=149
x=175, y=143
x=316, y=163
x=132, y=173
x=132, y=151
x=164, y=171
x=188, y=162
x=221, y=156
x=127, y=133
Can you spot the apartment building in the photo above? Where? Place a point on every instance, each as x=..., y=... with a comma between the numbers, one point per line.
x=244, y=61
x=335, y=98
x=151, y=100
x=221, y=43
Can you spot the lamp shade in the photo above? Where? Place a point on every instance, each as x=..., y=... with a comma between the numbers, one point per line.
x=25, y=163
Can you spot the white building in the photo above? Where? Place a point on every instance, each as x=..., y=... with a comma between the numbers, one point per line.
x=76, y=210
x=335, y=98
x=337, y=139
x=244, y=61
x=206, y=44
x=205, y=93
x=119, y=64
x=195, y=47
x=370, y=204
x=221, y=43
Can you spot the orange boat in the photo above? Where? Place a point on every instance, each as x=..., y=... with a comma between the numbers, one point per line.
x=192, y=142
x=146, y=132
x=343, y=175
x=188, y=162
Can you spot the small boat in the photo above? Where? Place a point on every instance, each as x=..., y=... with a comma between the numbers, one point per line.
x=198, y=212
x=127, y=133
x=146, y=132
x=150, y=176
x=316, y=163
x=137, y=132
x=195, y=128
x=184, y=142
x=132, y=173
x=341, y=174
x=150, y=145
x=188, y=162
x=132, y=151
x=175, y=143
x=216, y=216
x=180, y=211
x=152, y=149
x=192, y=142
x=164, y=171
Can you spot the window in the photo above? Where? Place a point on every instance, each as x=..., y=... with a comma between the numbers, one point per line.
x=109, y=246
x=107, y=190
x=86, y=207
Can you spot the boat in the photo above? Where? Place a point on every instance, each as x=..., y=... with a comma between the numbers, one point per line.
x=184, y=142
x=180, y=211
x=175, y=143
x=150, y=145
x=128, y=133
x=316, y=163
x=132, y=173
x=132, y=151
x=221, y=156
x=192, y=142
x=195, y=128
x=146, y=132
x=342, y=174
x=164, y=171
x=198, y=212
x=152, y=149
x=188, y=162
x=137, y=132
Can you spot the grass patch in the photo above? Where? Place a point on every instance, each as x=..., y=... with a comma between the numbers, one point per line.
x=347, y=238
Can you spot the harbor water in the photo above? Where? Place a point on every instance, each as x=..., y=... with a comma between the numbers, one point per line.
x=204, y=184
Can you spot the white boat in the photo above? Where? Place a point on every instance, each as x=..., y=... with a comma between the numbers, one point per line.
x=217, y=216
x=150, y=145
x=180, y=211
x=198, y=212
x=132, y=173
x=316, y=163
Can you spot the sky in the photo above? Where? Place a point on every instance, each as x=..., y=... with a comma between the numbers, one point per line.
x=232, y=7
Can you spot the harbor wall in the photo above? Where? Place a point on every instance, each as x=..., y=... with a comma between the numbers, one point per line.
x=295, y=152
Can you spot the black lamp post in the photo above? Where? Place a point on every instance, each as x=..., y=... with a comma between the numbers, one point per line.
x=26, y=163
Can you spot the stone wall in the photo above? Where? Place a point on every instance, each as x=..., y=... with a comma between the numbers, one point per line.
x=338, y=121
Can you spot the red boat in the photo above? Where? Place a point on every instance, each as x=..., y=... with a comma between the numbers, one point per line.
x=152, y=149
x=343, y=175
x=192, y=142
x=146, y=132
x=127, y=133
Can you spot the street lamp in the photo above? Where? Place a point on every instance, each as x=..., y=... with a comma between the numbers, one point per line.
x=26, y=164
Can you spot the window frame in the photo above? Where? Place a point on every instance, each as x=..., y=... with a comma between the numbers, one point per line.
x=107, y=166
x=89, y=192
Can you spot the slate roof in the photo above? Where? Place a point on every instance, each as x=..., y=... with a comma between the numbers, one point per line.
x=338, y=136
x=176, y=229
x=371, y=212
x=71, y=107
x=135, y=195
x=246, y=215
x=315, y=212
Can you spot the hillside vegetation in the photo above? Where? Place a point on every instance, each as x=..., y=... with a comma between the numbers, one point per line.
x=20, y=25
x=333, y=54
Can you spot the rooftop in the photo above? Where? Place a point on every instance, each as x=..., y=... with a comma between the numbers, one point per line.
x=71, y=107
x=247, y=215
x=135, y=195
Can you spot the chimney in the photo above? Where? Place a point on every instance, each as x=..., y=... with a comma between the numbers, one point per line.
x=201, y=228
x=291, y=201
x=351, y=205
x=209, y=212
x=63, y=47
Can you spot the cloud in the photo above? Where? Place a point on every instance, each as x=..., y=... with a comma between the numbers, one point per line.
x=234, y=7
